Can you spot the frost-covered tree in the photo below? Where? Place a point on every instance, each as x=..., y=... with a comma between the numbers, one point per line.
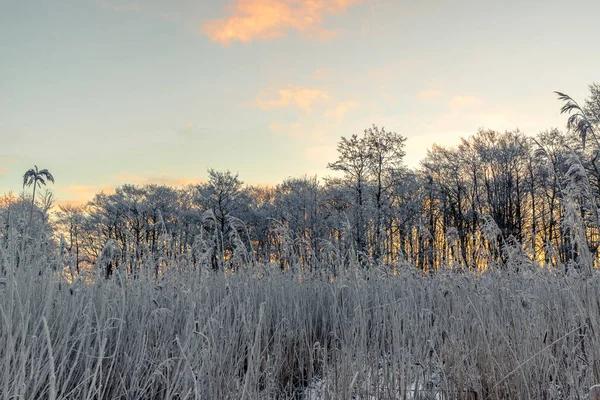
x=372, y=164
x=70, y=219
x=386, y=173
x=223, y=196
x=354, y=160
x=298, y=205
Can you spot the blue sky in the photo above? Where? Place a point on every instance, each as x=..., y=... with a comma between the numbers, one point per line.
x=104, y=92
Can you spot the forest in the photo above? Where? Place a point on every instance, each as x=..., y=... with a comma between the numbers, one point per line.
x=501, y=199
x=473, y=276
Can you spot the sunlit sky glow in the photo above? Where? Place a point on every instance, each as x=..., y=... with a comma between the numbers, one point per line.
x=106, y=92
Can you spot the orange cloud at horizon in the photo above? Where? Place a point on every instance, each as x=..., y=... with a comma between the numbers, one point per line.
x=271, y=19
x=81, y=194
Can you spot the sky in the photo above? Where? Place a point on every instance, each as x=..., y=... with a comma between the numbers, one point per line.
x=107, y=92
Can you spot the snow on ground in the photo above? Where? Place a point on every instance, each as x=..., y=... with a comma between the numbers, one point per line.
x=367, y=387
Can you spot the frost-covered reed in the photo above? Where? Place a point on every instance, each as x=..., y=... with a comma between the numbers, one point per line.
x=262, y=333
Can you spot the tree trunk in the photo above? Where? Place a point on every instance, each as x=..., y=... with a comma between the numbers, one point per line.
x=32, y=204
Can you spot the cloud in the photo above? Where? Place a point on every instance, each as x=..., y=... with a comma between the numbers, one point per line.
x=4, y=162
x=80, y=194
x=321, y=73
x=341, y=109
x=276, y=126
x=430, y=94
x=272, y=19
x=292, y=95
x=187, y=131
x=461, y=102
x=303, y=98
x=3, y=169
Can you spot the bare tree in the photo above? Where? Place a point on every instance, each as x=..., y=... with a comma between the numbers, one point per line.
x=386, y=170
x=223, y=196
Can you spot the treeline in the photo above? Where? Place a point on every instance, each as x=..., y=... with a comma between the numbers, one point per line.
x=496, y=199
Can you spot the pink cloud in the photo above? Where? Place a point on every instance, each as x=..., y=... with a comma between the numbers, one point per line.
x=292, y=95
x=272, y=19
x=341, y=109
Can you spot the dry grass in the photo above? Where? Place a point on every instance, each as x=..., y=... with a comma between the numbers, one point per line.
x=366, y=334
